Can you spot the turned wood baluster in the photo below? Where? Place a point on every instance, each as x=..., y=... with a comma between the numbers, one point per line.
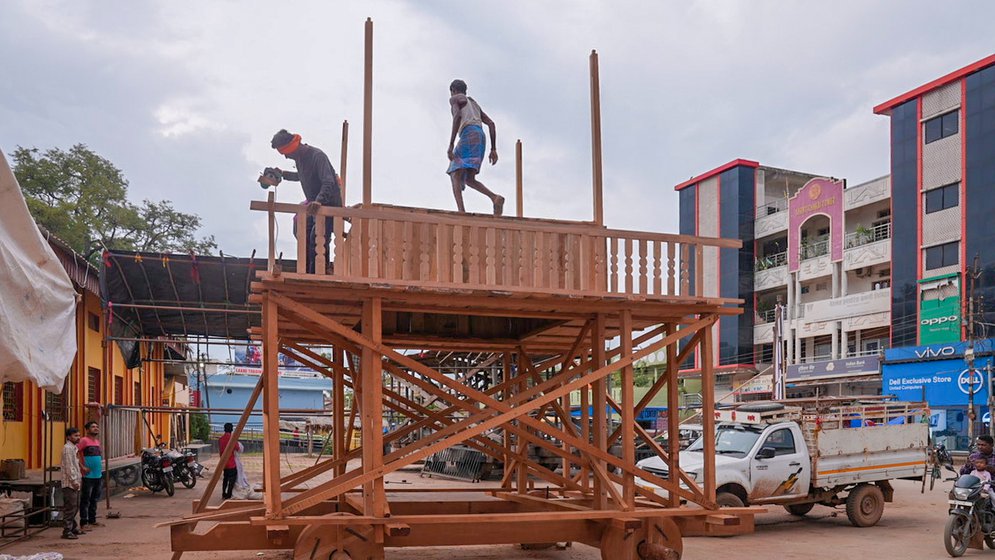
x=599, y=263
x=643, y=281
x=613, y=267
x=390, y=250
x=319, y=245
x=302, y=235
x=552, y=260
x=538, y=252
x=339, y=260
x=685, y=269
x=458, y=276
x=406, y=259
x=424, y=252
x=671, y=254
x=568, y=261
x=474, y=245
x=373, y=249
x=490, y=270
x=628, y=266
x=657, y=276
x=699, y=270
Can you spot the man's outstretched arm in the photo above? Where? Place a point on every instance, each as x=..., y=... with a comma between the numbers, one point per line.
x=492, y=129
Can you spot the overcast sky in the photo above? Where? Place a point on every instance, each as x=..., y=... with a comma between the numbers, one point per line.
x=185, y=96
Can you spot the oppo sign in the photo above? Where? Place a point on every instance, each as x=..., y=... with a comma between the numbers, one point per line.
x=939, y=320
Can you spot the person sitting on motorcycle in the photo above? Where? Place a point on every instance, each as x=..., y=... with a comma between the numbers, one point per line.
x=984, y=450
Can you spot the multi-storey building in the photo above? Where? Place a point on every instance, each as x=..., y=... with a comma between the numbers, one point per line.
x=815, y=245
x=943, y=193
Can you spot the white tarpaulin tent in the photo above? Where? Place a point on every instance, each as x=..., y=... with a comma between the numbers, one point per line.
x=37, y=299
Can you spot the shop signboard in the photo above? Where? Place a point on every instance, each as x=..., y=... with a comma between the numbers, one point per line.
x=940, y=317
x=938, y=382
x=759, y=384
x=818, y=197
x=863, y=365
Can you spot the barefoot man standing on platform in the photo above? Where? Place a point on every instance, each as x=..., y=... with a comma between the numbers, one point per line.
x=467, y=156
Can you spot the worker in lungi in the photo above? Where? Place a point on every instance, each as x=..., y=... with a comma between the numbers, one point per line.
x=466, y=157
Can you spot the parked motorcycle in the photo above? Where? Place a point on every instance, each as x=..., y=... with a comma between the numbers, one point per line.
x=186, y=469
x=157, y=471
x=971, y=514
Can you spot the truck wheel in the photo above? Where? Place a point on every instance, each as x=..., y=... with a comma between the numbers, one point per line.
x=728, y=499
x=799, y=509
x=864, y=505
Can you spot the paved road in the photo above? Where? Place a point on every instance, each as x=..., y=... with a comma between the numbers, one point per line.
x=911, y=529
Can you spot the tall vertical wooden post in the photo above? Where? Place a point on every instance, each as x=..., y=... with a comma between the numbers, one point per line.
x=708, y=406
x=344, y=160
x=628, y=415
x=368, y=117
x=371, y=369
x=599, y=402
x=522, y=471
x=339, y=443
x=585, y=427
x=673, y=414
x=519, y=203
x=506, y=396
x=598, y=175
x=271, y=407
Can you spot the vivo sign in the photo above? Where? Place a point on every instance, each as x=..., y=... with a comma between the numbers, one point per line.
x=933, y=352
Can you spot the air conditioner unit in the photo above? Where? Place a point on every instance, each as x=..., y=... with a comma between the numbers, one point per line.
x=861, y=272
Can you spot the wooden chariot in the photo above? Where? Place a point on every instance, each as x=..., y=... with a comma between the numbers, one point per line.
x=543, y=298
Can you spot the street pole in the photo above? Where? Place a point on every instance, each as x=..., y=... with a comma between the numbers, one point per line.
x=991, y=399
x=779, y=381
x=969, y=352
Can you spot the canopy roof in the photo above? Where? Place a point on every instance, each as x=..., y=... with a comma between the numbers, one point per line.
x=177, y=295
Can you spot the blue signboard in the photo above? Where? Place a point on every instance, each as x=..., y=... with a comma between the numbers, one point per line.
x=936, y=351
x=941, y=382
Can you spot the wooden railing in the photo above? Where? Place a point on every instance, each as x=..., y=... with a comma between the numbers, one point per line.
x=432, y=248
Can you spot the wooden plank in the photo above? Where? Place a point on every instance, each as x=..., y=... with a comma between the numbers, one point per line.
x=368, y=115
x=599, y=425
x=685, y=270
x=699, y=271
x=458, y=274
x=271, y=405
x=319, y=246
x=597, y=171
x=538, y=260
x=407, y=251
x=373, y=248
x=443, y=252
x=628, y=417
x=673, y=416
x=708, y=420
x=519, y=202
x=338, y=247
x=490, y=256
x=271, y=228
x=373, y=491
x=474, y=255
x=302, y=237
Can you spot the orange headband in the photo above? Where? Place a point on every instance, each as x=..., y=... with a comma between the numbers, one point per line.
x=290, y=147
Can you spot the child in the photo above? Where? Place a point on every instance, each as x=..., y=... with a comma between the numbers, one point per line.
x=981, y=471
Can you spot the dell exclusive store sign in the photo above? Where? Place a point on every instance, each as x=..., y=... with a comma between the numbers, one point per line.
x=938, y=374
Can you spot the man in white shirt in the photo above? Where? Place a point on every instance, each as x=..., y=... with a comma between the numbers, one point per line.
x=72, y=478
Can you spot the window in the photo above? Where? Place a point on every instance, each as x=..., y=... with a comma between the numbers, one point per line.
x=782, y=441
x=93, y=385
x=942, y=126
x=138, y=395
x=940, y=256
x=93, y=321
x=13, y=401
x=118, y=390
x=947, y=196
x=55, y=405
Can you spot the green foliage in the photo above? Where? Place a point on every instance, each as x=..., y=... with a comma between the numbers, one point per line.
x=199, y=428
x=81, y=197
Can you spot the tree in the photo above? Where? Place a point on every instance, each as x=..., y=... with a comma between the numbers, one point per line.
x=82, y=198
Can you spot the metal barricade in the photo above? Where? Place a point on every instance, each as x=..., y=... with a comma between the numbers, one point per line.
x=458, y=462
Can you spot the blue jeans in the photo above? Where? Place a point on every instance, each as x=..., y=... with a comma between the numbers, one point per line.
x=88, y=497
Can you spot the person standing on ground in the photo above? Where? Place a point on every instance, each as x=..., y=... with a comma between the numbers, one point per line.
x=467, y=156
x=317, y=178
x=72, y=480
x=93, y=473
x=231, y=467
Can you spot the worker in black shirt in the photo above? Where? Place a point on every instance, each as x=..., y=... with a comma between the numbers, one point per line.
x=317, y=178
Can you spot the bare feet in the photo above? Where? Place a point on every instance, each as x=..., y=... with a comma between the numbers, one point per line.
x=499, y=205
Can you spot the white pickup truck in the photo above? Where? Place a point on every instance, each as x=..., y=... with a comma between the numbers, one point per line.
x=800, y=456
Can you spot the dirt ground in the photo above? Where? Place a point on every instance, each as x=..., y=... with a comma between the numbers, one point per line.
x=911, y=529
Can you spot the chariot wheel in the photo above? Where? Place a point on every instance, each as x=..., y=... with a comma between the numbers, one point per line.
x=657, y=539
x=335, y=542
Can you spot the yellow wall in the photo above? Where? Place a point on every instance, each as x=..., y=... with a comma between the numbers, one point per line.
x=23, y=440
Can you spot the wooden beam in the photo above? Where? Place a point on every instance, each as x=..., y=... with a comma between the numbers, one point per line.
x=372, y=383
x=368, y=115
x=599, y=425
x=628, y=416
x=271, y=407
x=519, y=204
x=708, y=419
x=596, y=171
x=344, y=160
x=673, y=414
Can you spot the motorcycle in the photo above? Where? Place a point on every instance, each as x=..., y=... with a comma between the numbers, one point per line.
x=186, y=469
x=971, y=514
x=157, y=471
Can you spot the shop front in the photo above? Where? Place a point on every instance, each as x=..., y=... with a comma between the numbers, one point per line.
x=939, y=374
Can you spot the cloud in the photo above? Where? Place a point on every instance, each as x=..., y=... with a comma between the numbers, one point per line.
x=185, y=98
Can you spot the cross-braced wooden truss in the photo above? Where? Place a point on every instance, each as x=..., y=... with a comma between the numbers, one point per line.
x=593, y=498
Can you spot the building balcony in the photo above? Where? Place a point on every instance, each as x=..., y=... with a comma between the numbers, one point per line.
x=771, y=218
x=867, y=193
x=867, y=247
x=771, y=272
x=847, y=307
